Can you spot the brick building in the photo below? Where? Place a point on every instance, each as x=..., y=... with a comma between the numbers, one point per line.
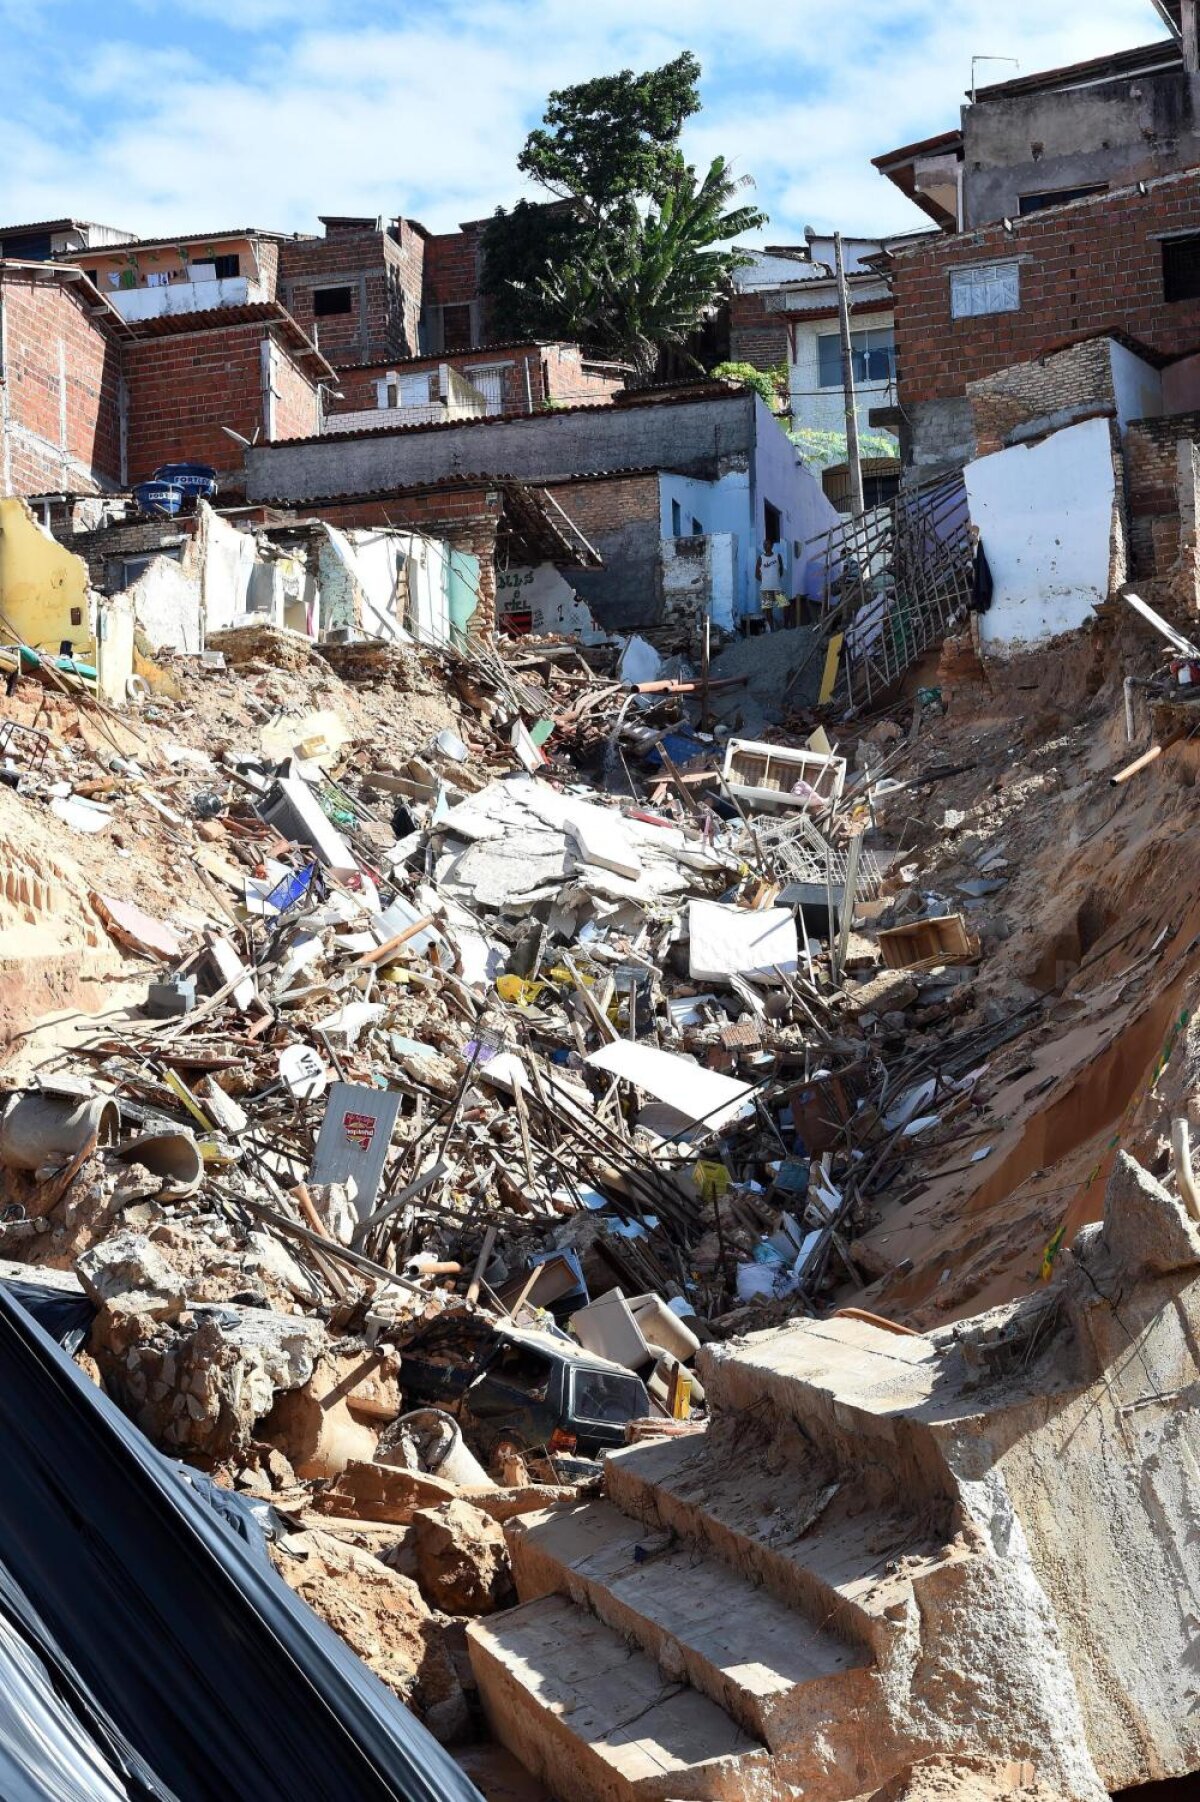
x=971, y=304
x=90, y=402
x=61, y=389
x=196, y=377
x=513, y=378
x=357, y=291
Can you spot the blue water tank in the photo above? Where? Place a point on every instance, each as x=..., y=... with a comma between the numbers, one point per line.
x=161, y=500
x=197, y=481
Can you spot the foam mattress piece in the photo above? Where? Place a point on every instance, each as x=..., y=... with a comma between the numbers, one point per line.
x=726, y=941
x=692, y=1091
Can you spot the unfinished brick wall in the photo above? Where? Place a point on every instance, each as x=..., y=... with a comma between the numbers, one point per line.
x=1066, y=380
x=186, y=385
x=296, y=401
x=137, y=538
x=60, y=399
x=1152, y=466
x=267, y=253
x=620, y=516
x=383, y=273
x=452, y=266
x=1089, y=267
x=755, y=335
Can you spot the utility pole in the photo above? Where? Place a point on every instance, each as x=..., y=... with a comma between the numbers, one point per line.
x=857, y=503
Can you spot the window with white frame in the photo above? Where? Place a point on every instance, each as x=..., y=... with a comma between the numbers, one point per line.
x=985, y=288
x=872, y=352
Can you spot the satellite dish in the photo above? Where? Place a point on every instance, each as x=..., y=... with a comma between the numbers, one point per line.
x=301, y=1071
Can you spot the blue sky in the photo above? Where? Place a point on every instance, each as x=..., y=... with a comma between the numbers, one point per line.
x=201, y=114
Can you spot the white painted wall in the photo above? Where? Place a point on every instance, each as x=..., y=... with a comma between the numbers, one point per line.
x=823, y=409
x=184, y=297
x=165, y=600
x=1137, y=385
x=548, y=597
x=1045, y=512
x=725, y=509
x=781, y=478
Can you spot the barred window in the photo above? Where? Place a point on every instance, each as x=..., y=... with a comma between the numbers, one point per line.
x=985, y=288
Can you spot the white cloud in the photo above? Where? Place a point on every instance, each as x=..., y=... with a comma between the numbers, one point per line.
x=272, y=111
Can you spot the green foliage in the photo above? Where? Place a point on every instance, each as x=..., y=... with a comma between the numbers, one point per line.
x=640, y=252
x=824, y=449
x=518, y=248
x=648, y=286
x=605, y=141
x=771, y=385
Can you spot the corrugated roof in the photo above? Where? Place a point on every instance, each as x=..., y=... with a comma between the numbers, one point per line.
x=249, y=313
x=178, y=238
x=50, y=225
x=1146, y=59
x=668, y=395
x=482, y=351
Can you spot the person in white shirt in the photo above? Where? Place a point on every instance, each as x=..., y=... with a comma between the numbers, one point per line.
x=769, y=570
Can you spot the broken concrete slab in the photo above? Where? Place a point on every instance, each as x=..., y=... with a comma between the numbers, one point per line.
x=129, y=1273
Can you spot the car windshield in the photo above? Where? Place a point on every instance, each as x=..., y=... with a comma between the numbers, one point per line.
x=607, y=1396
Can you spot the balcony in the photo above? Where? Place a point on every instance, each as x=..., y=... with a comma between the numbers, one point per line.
x=184, y=296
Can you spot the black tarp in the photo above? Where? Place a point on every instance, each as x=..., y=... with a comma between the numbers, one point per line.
x=166, y=1636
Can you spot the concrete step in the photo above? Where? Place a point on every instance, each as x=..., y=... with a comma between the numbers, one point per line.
x=597, y=1721
x=806, y=1535
x=779, y=1675
x=864, y=1398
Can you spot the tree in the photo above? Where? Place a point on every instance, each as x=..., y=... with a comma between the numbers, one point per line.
x=604, y=142
x=824, y=449
x=518, y=248
x=646, y=252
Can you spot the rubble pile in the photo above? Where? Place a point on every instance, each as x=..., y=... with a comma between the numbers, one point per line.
x=494, y=1040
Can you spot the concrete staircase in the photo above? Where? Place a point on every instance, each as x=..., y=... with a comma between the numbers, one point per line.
x=716, y=1626
x=976, y=1543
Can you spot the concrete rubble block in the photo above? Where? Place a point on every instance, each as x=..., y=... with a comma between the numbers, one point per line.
x=384, y=1618
x=369, y=1491
x=1147, y=1230
x=462, y=1559
x=333, y=1418
x=203, y=1381
x=889, y=992
x=131, y=1274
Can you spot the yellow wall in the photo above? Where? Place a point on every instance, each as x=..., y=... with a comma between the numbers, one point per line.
x=166, y=260
x=41, y=583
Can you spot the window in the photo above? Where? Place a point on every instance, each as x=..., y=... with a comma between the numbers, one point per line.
x=697, y=528
x=226, y=268
x=985, y=288
x=872, y=352
x=1181, y=268
x=327, y=301
x=676, y=520
x=489, y=380
x=93, y=276
x=456, y=328
x=772, y=523
x=1037, y=203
